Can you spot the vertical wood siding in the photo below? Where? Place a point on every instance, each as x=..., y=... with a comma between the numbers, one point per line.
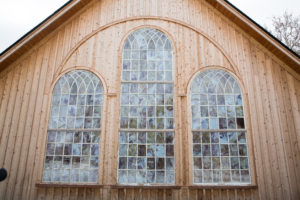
x=92, y=39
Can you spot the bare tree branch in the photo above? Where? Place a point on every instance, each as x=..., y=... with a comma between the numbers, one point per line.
x=287, y=29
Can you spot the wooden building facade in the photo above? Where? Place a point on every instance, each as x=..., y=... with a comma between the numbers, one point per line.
x=204, y=35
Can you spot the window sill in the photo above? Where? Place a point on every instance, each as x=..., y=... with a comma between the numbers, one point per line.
x=176, y=187
x=222, y=186
x=67, y=185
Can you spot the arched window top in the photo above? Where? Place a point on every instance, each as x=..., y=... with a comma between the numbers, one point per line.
x=78, y=81
x=77, y=98
x=147, y=38
x=215, y=81
x=147, y=56
x=216, y=100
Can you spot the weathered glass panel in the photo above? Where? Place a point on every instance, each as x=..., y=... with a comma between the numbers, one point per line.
x=76, y=106
x=147, y=105
x=219, y=156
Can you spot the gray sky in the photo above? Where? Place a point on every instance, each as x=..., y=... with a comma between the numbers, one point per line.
x=17, y=17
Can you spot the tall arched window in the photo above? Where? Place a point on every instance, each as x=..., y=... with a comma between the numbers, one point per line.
x=220, y=152
x=146, y=145
x=72, y=150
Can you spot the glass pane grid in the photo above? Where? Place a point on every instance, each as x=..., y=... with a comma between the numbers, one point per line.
x=146, y=158
x=220, y=158
x=217, y=114
x=72, y=150
x=72, y=156
x=82, y=111
x=147, y=57
x=146, y=104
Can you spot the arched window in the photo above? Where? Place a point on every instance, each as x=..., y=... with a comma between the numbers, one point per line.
x=220, y=152
x=146, y=145
x=72, y=151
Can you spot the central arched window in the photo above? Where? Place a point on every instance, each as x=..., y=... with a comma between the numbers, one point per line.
x=220, y=151
x=146, y=142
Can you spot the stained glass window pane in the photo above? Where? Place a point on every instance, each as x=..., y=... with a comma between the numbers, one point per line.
x=72, y=150
x=146, y=151
x=220, y=151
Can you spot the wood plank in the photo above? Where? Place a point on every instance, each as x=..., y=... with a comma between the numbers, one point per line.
x=65, y=193
x=247, y=194
x=39, y=158
x=269, y=131
x=106, y=195
x=16, y=154
x=114, y=194
x=200, y=194
x=225, y=195
x=192, y=194
x=291, y=127
x=249, y=80
x=11, y=142
x=73, y=193
x=122, y=194
x=160, y=194
x=232, y=194
x=240, y=194
x=49, y=193
x=184, y=193
x=216, y=194
x=22, y=177
x=168, y=194
x=297, y=87
x=34, y=147
x=5, y=128
x=81, y=193
x=130, y=193
x=41, y=194
x=98, y=193
x=3, y=79
x=57, y=194
x=282, y=168
x=284, y=130
x=208, y=194
x=294, y=105
x=265, y=165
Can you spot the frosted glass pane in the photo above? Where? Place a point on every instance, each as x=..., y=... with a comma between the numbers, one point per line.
x=146, y=103
x=76, y=104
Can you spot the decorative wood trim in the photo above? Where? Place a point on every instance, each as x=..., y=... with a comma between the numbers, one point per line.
x=175, y=21
x=112, y=94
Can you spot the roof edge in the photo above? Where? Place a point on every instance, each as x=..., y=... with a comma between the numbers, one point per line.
x=36, y=27
x=35, y=35
x=262, y=36
x=263, y=29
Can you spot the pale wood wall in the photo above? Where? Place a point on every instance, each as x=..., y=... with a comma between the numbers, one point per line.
x=92, y=39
